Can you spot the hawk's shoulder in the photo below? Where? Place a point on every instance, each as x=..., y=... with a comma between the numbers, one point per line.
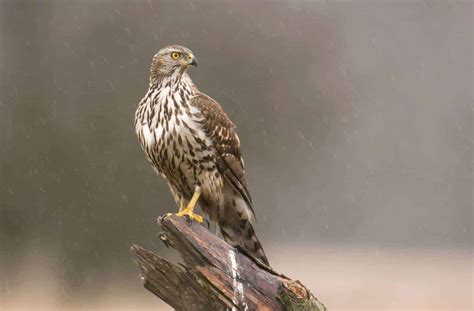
x=222, y=131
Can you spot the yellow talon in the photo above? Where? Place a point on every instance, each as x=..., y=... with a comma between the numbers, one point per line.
x=189, y=210
x=191, y=215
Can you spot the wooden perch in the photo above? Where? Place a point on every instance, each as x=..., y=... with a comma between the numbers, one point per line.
x=215, y=275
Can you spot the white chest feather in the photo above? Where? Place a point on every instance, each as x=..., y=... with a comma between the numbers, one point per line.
x=171, y=130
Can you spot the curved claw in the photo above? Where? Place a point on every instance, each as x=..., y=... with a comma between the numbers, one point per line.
x=189, y=213
x=189, y=210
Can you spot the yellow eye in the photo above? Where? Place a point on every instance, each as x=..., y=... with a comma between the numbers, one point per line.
x=175, y=55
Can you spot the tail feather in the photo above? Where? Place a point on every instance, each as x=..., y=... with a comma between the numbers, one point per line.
x=236, y=226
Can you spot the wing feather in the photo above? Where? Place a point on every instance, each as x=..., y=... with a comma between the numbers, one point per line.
x=221, y=130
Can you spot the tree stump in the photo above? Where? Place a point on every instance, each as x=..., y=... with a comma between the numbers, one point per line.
x=216, y=275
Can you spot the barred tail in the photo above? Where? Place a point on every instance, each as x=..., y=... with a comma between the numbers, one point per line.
x=236, y=227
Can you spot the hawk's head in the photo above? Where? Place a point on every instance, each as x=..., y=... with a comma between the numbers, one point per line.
x=171, y=59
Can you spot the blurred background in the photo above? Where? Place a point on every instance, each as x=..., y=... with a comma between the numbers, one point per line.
x=356, y=124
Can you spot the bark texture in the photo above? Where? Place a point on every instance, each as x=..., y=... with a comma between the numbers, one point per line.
x=215, y=275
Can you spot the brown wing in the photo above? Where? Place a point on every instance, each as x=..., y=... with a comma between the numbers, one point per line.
x=221, y=130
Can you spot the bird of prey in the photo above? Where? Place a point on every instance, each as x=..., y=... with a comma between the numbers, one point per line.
x=191, y=142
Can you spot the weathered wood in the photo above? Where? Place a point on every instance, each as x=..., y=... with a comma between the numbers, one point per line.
x=215, y=275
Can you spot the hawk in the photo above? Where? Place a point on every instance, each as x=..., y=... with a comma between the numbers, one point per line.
x=191, y=142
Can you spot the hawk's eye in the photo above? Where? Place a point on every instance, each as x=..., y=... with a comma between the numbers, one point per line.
x=175, y=55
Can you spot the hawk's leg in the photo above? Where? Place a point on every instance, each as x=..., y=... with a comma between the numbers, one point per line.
x=189, y=210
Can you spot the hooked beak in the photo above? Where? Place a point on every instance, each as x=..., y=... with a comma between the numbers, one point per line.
x=193, y=61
